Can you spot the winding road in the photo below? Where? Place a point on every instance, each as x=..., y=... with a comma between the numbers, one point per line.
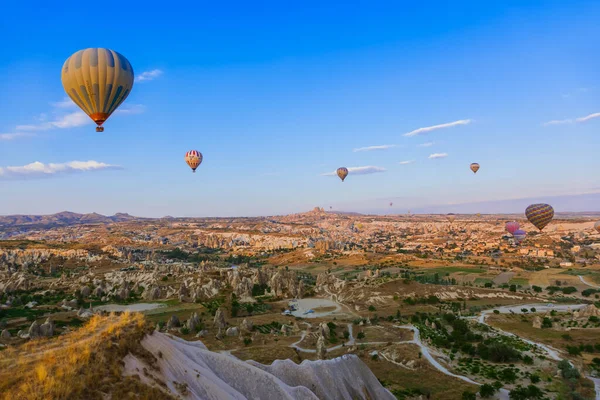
x=582, y=279
x=503, y=394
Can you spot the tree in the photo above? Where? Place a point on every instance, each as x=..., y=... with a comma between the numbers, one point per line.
x=487, y=390
x=360, y=336
x=467, y=395
x=513, y=288
x=531, y=392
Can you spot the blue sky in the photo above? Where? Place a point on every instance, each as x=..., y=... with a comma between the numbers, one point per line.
x=277, y=95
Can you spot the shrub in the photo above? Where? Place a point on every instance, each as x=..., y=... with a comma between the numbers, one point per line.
x=487, y=390
x=467, y=395
x=372, y=308
x=360, y=336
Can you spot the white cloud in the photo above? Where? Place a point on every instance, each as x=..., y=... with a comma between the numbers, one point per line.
x=440, y=126
x=371, y=148
x=38, y=169
x=572, y=121
x=406, y=162
x=71, y=120
x=149, y=75
x=359, y=171
x=588, y=117
x=437, y=155
x=64, y=103
x=558, y=122
x=11, y=136
x=132, y=109
x=428, y=144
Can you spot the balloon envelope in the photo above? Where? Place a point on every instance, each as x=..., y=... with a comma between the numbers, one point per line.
x=519, y=235
x=512, y=226
x=193, y=158
x=540, y=215
x=342, y=172
x=451, y=217
x=474, y=167
x=97, y=80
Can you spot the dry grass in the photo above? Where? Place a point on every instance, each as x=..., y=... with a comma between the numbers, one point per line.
x=84, y=364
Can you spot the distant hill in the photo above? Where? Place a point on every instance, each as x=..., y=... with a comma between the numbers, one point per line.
x=64, y=218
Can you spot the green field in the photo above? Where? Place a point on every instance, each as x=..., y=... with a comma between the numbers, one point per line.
x=519, y=281
x=452, y=270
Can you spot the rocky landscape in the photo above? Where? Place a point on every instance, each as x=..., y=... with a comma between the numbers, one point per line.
x=311, y=305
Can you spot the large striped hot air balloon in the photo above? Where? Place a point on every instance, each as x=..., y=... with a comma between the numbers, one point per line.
x=512, y=226
x=98, y=81
x=474, y=167
x=193, y=158
x=342, y=172
x=540, y=215
x=451, y=217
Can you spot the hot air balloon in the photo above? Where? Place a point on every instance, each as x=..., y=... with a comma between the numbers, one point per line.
x=98, y=81
x=451, y=217
x=391, y=204
x=475, y=167
x=597, y=226
x=330, y=207
x=512, y=226
x=519, y=235
x=539, y=215
x=193, y=158
x=342, y=172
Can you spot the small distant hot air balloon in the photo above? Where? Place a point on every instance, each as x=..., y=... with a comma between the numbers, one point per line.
x=519, y=235
x=539, y=215
x=98, y=81
x=512, y=226
x=597, y=226
x=451, y=217
x=391, y=204
x=193, y=158
x=475, y=167
x=478, y=215
x=342, y=172
x=330, y=207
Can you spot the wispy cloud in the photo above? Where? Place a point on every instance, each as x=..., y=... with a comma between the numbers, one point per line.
x=64, y=103
x=406, y=162
x=16, y=135
x=71, y=120
x=428, y=144
x=74, y=119
x=371, y=148
x=359, y=171
x=571, y=120
x=437, y=155
x=39, y=170
x=436, y=127
x=132, y=109
x=149, y=75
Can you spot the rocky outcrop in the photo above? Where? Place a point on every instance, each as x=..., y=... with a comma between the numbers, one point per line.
x=321, y=348
x=233, y=331
x=85, y=292
x=246, y=326
x=537, y=322
x=219, y=321
x=34, y=330
x=588, y=311
x=5, y=334
x=173, y=322
x=47, y=328
x=193, y=323
x=220, y=376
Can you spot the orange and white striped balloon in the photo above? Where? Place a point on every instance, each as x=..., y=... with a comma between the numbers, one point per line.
x=193, y=158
